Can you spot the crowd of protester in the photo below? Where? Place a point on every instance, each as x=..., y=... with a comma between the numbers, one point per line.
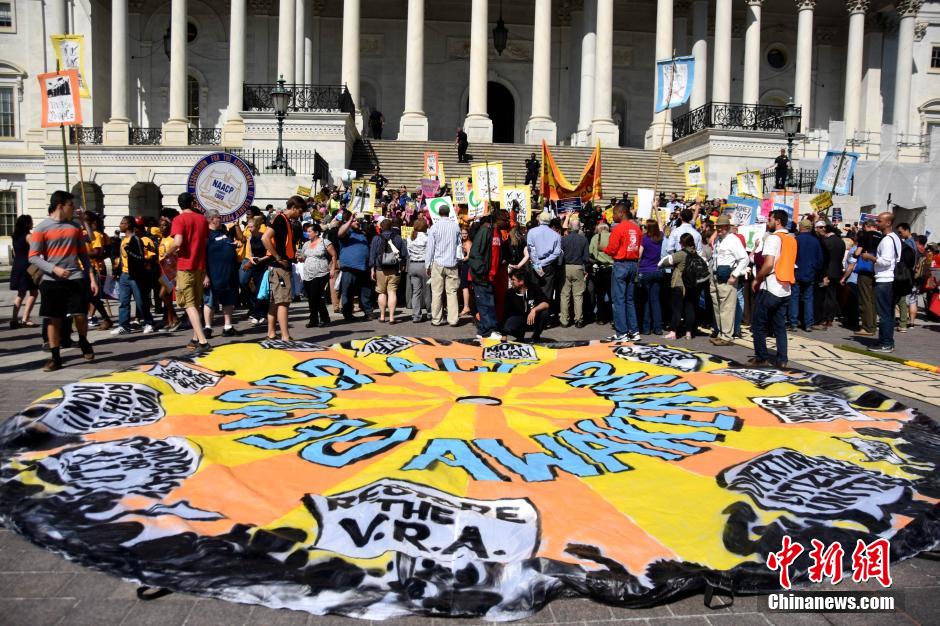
x=511, y=276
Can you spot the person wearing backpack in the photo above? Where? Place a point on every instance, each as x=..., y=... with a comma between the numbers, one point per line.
x=912, y=257
x=893, y=279
x=772, y=286
x=689, y=276
x=387, y=252
x=137, y=252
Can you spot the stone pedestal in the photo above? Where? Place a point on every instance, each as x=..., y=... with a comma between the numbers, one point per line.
x=413, y=127
x=233, y=133
x=659, y=133
x=116, y=133
x=539, y=128
x=479, y=128
x=605, y=132
x=175, y=133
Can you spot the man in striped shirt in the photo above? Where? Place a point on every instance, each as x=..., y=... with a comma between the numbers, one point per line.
x=57, y=246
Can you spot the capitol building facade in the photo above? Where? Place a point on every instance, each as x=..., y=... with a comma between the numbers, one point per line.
x=169, y=81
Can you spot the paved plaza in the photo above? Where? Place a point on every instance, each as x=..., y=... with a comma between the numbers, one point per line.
x=38, y=587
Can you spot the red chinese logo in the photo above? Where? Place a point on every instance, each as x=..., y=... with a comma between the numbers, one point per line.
x=869, y=561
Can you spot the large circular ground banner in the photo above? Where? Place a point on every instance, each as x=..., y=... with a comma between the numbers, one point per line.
x=396, y=475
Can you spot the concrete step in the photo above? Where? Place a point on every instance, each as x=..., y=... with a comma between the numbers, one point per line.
x=623, y=169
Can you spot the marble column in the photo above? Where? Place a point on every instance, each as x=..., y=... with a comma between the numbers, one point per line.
x=603, y=129
x=660, y=131
x=115, y=132
x=700, y=53
x=803, y=84
x=588, y=61
x=349, y=71
x=285, y=40
x=752, y=56
x=300, y=32
x=414, y=122
x=680, y=27
x=721, y=63
x=57, y=23
x=853, y=65
x=907, y=11
x=478, y=125
x=541, y=125
x=233, y=131
x=176, y=128
x=309, y=55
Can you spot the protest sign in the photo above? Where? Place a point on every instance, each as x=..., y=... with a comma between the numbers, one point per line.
x=520, y=195
x=429, y=187
x=766, y=206
x=458, y=188
x=752, y=234
x=431, y=164
x=744, y=210
x=836, y=215
x=644, y=203
x=406, y=232
x=303, y=191
x=488, y=181
x=821, y=202
x=694, y=173
x=836, y=172
x=568, y=205
x=362, y=200
x=694, y=193
x=867, y=217
x=475, y=207
x=434, y=206
x=787, y=201
x=223, y=182
x=749, y=184
x=60, y=104
x=70, y=53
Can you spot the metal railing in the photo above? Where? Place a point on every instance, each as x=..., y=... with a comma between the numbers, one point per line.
x=307, y=98
x=86, y=135
x=146, y=136
x=804, y=181
x=729, y=115
x=302, y=162
x=205, y=136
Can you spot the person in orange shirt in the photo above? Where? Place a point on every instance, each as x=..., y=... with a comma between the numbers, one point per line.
x=624, y=249
x=772, y=287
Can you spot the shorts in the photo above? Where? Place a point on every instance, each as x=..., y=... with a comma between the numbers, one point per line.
x=912, y=297
x=387, y=280
x=220, y=297
x=63, y=297
x=281, y=291
x=189, y=290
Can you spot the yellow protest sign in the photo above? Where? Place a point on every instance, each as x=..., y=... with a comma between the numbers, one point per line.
x=694, y=173
x=362, y=201
x=695, y=193
x=822, y=201
x=303, y=191
x=70, y=53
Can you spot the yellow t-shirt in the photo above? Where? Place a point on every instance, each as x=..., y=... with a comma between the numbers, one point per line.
x=150, y=250
x=97, y=242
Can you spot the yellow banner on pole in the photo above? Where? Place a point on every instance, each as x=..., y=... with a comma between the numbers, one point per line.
x=70, y=53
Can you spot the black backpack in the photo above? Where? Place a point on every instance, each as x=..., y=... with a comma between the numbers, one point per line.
x=695, y=273
x=903, y=275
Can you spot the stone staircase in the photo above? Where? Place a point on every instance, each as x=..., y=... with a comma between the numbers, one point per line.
x=623, y=169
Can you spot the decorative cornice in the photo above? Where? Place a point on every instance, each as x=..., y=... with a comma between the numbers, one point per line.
x=563, y=17
x=920, y=29
x=805, y=5
x=857, y=6
x=909, y=8
x=825, y=35
x=260, y=7
x=754, y=2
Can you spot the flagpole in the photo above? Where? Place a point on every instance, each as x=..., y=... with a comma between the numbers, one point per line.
x=662, y=138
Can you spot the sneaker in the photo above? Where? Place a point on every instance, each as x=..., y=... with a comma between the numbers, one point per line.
x=52, y=365
x=202, y=348
x=615, y=338
x=148, y=328
x=902, y=329
x=495, y=336
x=633, y=336
x=172, y=328
x=883, y=349
x=230, y=332
x=121, y=330
x=93, y=322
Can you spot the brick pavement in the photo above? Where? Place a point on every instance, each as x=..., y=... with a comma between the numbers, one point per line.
x=37, y=587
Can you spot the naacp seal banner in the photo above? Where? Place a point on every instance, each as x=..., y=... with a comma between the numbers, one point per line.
x=387, y=476
x=223, y=182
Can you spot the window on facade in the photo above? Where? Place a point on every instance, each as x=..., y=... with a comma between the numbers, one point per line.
x=776, y=58
x=6, y=16
x=7, y=212
x=192, y=101
x=7, y=111
x=935, y=58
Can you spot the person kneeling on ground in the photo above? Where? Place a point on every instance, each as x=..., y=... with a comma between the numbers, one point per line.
x=525, y=307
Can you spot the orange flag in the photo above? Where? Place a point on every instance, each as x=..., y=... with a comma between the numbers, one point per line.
x=555, y=186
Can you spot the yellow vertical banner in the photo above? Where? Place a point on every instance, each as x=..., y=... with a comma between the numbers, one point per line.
x=70, y=53
x=694, y=173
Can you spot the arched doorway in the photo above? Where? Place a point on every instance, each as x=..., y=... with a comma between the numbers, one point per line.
x=501, y=107
x=145, y=199
x=93, y=196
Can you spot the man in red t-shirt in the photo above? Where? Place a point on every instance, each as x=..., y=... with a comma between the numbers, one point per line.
x=189, y=232
x=624, y=249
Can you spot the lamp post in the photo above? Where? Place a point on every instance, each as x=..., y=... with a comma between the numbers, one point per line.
x=791, y=126
x=280, y=98
x=500, y=33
